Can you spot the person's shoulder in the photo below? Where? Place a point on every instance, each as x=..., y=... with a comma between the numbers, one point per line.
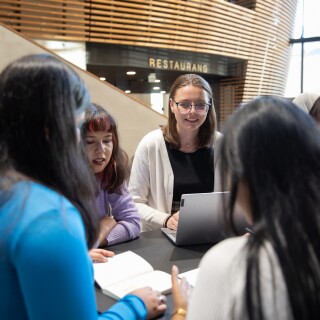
x=223, y=265
x=39, y=198
x=51, y=196
x=217, y=136
x=152, y=138
x=38, y=205
x=31, y=188
x=217, y=139
x=123, y=191
x=227, y=250
x=306, y=100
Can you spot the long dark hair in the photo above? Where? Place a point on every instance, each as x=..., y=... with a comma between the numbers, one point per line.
x=208, y=128
x=39, y=99
x=117, y=170
x=274, y=148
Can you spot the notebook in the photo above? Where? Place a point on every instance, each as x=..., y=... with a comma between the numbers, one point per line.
x=201, y=219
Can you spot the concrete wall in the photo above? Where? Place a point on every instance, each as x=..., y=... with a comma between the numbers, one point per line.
x=134, y=118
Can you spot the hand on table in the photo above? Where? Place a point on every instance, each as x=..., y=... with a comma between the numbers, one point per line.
x=172, y=222
x=100, y=255
x=154, y=301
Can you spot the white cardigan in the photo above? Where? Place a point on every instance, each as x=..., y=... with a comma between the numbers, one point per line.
x=151, y=180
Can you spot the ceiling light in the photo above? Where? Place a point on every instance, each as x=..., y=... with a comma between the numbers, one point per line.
x=156, y=88
x=162, y=92
x=157, y=80
x=102, y=78
x=131, y=73
x=128, y=91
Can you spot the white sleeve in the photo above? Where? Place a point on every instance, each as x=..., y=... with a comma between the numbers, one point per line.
x=140, y=188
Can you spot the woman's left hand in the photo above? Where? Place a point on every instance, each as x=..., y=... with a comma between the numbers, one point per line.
x=100, y=255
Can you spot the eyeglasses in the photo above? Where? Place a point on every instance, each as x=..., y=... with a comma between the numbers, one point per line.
x=185, y=107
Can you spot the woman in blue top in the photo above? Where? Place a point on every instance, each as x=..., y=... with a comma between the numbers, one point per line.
x=46, y=193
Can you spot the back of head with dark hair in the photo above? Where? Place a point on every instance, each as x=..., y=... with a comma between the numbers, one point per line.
x=39, y=99
x=274, y=149
x=208, y=128
x=117, y=170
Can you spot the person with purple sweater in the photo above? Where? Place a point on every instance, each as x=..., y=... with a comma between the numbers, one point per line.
x=119, y=217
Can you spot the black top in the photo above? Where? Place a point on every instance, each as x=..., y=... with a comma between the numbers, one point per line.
x=193, y=172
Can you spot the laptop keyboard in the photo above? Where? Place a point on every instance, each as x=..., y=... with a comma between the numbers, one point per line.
x=173, y=232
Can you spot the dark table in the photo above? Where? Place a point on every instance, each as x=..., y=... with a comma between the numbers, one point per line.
x=161, y=253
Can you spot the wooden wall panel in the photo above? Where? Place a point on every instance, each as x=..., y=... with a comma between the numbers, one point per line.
x=255, y=30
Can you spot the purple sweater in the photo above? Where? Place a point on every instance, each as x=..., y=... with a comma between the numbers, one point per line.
x=124, y=212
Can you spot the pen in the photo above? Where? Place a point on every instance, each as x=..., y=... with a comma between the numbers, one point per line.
x=249, y=230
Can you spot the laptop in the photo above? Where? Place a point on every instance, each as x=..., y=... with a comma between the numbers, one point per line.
x=201, y=219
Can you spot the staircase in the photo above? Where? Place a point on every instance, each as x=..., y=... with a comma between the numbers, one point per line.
x=134, y=118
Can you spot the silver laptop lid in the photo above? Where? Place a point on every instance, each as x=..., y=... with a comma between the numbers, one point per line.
x=201, y=218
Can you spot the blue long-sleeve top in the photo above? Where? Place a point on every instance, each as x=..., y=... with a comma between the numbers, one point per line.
x=124, y=211
x=45, y=270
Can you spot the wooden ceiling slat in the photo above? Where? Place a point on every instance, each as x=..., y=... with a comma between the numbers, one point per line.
x=259, y=36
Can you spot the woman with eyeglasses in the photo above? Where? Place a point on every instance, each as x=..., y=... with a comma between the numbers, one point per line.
x=178, y=158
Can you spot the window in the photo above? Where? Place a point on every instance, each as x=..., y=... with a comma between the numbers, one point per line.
x=305, y=50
